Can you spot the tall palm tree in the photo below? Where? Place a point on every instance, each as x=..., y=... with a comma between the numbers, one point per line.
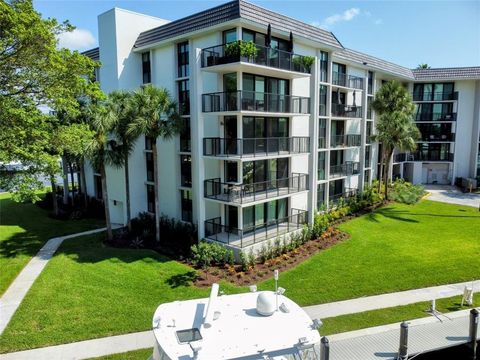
x=100, y=155
x=156, y=116
x=122, y=116
x=395, y=128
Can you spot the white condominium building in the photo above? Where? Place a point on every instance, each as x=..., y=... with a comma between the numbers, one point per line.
x=271, y=137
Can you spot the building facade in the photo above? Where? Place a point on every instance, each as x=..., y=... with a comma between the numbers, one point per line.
x=272, y=136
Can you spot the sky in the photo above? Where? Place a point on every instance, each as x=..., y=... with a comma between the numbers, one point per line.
x=408, y=33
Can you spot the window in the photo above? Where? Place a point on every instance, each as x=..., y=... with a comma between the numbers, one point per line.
x=321, y=165
x=97, y=180
x=323, y=101
x=433, y=92
x=186, y=170
x=323, y=66
x=369, y=107
x=183, y=59
x=149, y=165
x=370, y=83
x=148, y=143
x=367, y=156
x=146, y=68
x=151, y=199
x=231, y=171
x=369, y=132
x=229, y=36
x=320, y=196
x=185, y=137
x=258, y=216
x=366, y=177
x=339, y=74
x=186, y=204
x=184, y=97
x=322, y=132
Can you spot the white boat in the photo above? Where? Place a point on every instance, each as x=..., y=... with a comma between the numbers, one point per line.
x=255, y=325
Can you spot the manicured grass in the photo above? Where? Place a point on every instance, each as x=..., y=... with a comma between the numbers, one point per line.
x=143, y=354
x=398, y=247
x=24, y=228
x=89, y=290
x=366, y=319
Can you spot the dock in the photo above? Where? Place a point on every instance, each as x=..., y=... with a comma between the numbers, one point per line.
x=382, y=342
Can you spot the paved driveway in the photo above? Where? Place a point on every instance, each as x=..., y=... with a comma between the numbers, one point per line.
x=450, y=194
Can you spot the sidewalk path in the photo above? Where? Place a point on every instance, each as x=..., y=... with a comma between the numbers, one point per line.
x=145, y=339
x=387, y=300
x=451, y=195
x=14, y=295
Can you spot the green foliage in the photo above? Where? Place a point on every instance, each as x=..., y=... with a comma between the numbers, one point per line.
x=305, y=62
x=23, y=185
x=243, y=261
x=241, y=48
x=404, y=192
x=205, y=254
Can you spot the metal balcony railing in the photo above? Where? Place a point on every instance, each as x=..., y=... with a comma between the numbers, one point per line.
x=436, y=116
x=429, y=156
x=249, y=235
x=253, y=147
x=435, y=96
x=246, y=193
x=345, y=140
x=346, y=194
x=255, y=101
x=275, y=58
x=346, y=169
x=351, y=81
x=448, y=137
x=349, y=111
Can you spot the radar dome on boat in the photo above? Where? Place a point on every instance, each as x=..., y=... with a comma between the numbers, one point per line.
x=266, y=303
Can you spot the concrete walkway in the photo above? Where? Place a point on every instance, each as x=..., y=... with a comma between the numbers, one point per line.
x=451, y=195
x=14, y=295
x=145, y=339
x=387, y=300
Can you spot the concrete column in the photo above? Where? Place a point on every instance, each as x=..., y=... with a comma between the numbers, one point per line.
x=363, y=134
x=328, y=129
x=313, y=133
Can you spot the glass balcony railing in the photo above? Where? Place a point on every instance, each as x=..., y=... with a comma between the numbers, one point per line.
x=246, y=193
x=346, y=169
x=249, y=235
x=346, y=194
x=255, y=101
x=436, y=116
x=351, y=81
x=253, y=147
x=435, y=96
x=345, y=140
x=265, y=56
x=350, y=111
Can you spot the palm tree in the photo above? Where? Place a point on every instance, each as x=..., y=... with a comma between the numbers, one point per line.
x=423, y=66
x=156, y=115
x=101, y=123
x=395, y=128
x=122, y=116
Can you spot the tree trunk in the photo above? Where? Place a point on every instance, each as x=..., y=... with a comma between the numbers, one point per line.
x=72, y=179
x=65, y=180
x=105, y=202
x=84, y=183
x=54, y=195
x=127, y=193
x=387, y=171
x=156, y=186
x=380, y=175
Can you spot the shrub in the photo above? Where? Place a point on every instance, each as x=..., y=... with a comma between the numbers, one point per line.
x=304, y=61
x=202, y=254
x=143, y=226
x=404, y=192
x=243, y=261
x=252, y=260
x=241, y=48
x=177, y=236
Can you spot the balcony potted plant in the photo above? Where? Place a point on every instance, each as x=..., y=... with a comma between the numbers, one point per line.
x=239, y=49
x=303, y=62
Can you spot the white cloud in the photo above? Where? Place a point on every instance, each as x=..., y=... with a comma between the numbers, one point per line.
x=347, y=15
x=77, y=39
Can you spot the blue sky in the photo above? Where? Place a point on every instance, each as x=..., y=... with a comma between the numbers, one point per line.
x=440, y=33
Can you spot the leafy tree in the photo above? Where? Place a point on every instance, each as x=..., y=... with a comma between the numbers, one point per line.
x=395, y=127
x=100, y=153
x=156, y=116
x=122, y=116
x=423, y=66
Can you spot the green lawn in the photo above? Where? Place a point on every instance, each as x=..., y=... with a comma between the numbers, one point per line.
x=24, y=228
x=396, y=314
x=88, y=290
x=143, y=354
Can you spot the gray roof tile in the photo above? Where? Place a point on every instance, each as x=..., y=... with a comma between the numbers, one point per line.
x=237, y=9
x=457, y=73
x=373, y=62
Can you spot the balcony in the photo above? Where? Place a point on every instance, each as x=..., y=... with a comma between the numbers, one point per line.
x=255, y=102
x=399, y=158
x=247, y=193
x=240, y=238
x=344, y=80
x=346, y=169
x=435, y=96
x=345, y=195
x=347, y=111
x=436, y=116
x=448, y=137
x=274, y=58
x=345, y=140
x=255, y=147
x=430, y=156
